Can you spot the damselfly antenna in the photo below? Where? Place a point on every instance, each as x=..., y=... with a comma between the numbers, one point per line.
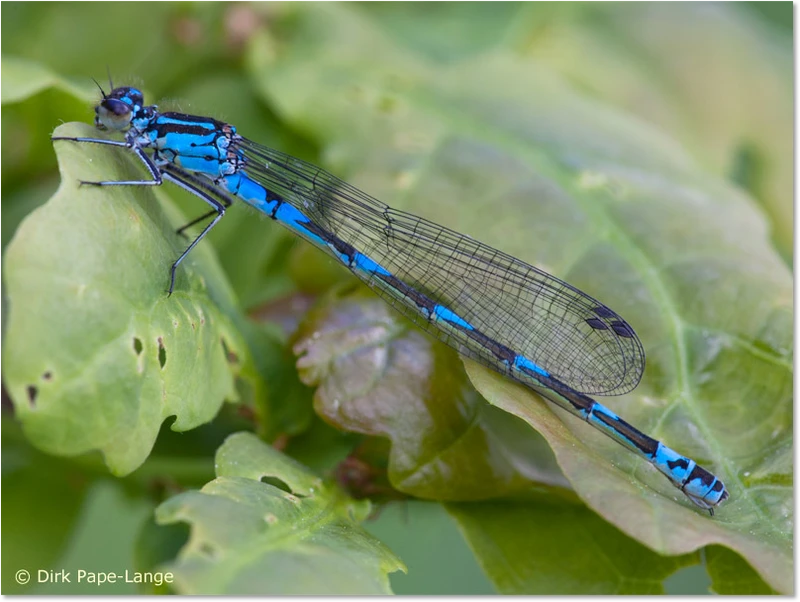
x=101, y=87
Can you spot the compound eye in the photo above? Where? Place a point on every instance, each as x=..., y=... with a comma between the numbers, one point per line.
x=135, y=97
x=117, y=107
x=113, y=114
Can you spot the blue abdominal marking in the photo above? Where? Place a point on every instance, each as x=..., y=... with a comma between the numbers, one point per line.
x=525, y=365
x=489, y=306
x=365, y=264
x=440, y=312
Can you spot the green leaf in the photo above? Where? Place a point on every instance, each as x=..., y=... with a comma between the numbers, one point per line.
x=266, y=525
x=97, y=355
x=502, y=150
x=535, y=547
x=716, y=77
x=678, y=66
x=731, y=575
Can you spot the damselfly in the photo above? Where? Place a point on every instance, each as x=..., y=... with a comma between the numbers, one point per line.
x=489, y=306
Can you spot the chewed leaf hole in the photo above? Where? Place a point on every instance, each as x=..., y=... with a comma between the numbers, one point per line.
x=208, y=550
x=229, y=355
x=33, y=392
x=276, y=482
x=162, y=353
x=138, y=347
x=747, y=167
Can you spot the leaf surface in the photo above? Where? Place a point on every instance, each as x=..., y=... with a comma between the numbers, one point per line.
x=267, y=526
x=97, y=355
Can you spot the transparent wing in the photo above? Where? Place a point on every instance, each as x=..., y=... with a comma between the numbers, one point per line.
x=576, y=338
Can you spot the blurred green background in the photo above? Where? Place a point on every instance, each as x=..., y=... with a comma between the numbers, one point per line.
x=715, y=81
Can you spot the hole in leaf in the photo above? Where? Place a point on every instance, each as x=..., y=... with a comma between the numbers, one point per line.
x=276, y=482
x=137, y=345
x=32, y=393
x=47, y=375
x=229, y=355
x=207, y=550
x=747, y=167
x=162, y=353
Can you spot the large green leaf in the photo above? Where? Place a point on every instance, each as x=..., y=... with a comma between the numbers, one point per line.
x=718, y=78
x=506, y=152
x=731, y=575
x=536, y=547
x=714, y=76
x=266, y=525
x=97, y=355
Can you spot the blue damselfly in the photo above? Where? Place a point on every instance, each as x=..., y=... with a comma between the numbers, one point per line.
x=489, y=306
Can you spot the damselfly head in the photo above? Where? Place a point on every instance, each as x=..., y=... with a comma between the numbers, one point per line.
x=117, y=108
